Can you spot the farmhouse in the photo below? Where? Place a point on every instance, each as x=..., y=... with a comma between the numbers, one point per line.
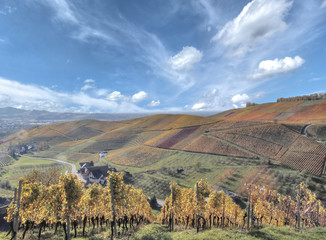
x=96, y=174
x=84, y=165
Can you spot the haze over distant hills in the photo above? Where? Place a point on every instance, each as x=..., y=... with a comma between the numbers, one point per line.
x=257, y=143
x=14, y=114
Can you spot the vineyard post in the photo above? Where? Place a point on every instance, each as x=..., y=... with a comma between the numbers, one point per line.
x=16, y=223
x=13, y=221
x=172, y=213
x=68, y=227
x=113, y=209
x=248, y=213
x=298, y=205
x=223, y=214
x=197, y=218
x=317, y=213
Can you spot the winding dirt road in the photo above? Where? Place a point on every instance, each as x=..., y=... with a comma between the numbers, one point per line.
x=73, y=167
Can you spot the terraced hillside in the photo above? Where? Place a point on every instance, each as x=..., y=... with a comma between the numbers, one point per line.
x=226, y=148
x=291, y=112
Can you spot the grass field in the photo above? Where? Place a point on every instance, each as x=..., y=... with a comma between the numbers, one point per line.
x=22, y=167
x=155, y=178
x=160, y=232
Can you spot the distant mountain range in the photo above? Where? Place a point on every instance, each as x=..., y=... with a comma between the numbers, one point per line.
x=10, y=113
x=14, y=114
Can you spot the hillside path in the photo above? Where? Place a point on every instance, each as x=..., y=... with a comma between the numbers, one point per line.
x=236, y=146
x=73, y=167
x=304, y=132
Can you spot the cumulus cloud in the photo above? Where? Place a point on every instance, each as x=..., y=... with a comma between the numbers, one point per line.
x=185, y=60
x=86, y=86
x=89, y=80
x=89, y=83
x=115, y=96
x=240, y=98
x=154, y=103
x=323, y=4
x=199, y=106
x=138, y=97
x=15, y=94
x=269, y=68
x=222, y=99
x=258, y=20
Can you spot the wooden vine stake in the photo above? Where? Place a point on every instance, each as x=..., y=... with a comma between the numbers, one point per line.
x=298, y=205
x=172, y=210
x=113, y=211
x=197, y=215
x=248, y=210
x=16, y=219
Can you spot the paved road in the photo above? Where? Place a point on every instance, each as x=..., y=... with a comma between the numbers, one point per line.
x=73, y=167
x=304, y=131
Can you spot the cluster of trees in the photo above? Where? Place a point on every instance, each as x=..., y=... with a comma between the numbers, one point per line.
x=249, y=104
x=315, y=96
x=204, y=208
x=64, y=202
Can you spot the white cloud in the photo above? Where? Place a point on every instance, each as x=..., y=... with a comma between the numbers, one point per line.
x=258, y=20
x=115, y=96
x=15, y=94
x=63, y=10
x=185, y=59
x=199, y=106
x=140, y=96
x=102, y=92
x=323, y=4
x=89, y=80
x=86, y=87
x=240, y=98
x=269, y=68
x=89, y=84
x=115, y=30
x=154, y=103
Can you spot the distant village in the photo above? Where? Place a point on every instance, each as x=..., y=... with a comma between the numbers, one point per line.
x=19, y=149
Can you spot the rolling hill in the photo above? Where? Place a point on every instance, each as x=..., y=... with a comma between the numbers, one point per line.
x=258, y=143
x=285, y=112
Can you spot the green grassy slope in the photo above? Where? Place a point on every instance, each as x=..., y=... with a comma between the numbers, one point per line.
x=22, y=167
x=159, y=232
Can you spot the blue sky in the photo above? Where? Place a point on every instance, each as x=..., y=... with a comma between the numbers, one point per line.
x=159, y=56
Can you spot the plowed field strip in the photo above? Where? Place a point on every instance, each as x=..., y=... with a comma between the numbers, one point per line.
x=252, y=136
x=240, y=127
x=236, y=146
x=64, y=135
x=197, y=125
x=204, y=153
